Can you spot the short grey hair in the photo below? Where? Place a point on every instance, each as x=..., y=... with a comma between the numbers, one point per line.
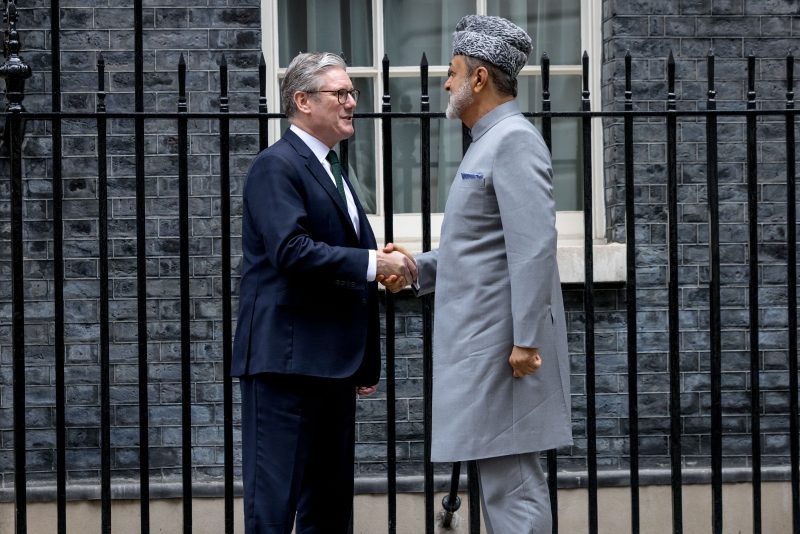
x=505, y=83
x=303, y=75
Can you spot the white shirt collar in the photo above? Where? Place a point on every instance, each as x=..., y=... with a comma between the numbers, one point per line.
x=317, y=147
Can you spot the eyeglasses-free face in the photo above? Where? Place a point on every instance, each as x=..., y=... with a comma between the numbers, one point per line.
x=341, y=94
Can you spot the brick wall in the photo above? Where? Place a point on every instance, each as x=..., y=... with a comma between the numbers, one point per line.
x=202, y=33
x=650, y=29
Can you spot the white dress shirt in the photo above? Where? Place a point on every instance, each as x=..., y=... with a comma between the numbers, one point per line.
x=320, y=151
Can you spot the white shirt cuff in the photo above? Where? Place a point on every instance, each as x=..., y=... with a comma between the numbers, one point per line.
x=372, y=266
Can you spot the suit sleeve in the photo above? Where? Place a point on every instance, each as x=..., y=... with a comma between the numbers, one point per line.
x=426, y=272
x=275, y=198
x=523, y=178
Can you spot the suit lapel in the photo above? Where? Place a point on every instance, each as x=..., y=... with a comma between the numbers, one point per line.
x=316, y=170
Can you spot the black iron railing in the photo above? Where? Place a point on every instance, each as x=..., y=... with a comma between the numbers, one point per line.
x=15, y=72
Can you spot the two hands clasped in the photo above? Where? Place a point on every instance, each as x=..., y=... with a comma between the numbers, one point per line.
x=397, y=269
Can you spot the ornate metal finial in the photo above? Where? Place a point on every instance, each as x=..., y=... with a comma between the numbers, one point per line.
x=15, y=71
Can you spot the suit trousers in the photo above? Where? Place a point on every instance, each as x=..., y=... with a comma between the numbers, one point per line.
x=514, y=495
x=297, y=453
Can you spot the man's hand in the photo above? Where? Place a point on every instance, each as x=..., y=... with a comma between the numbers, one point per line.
x=394, y=282
x=390, y=247
x=363, y=391
x=524, y=361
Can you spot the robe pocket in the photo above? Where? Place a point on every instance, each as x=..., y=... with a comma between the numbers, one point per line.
x=473, y=183
x=471, y=204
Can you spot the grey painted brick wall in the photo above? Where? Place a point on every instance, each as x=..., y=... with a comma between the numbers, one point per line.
x=690, y=29
x=202, y=32
x=650, y=28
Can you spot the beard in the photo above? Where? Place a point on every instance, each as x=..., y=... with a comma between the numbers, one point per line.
x=460, y=99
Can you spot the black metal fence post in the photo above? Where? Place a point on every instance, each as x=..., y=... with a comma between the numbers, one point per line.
x=791, y=248
x=141, y=273
x=588, y=299
x=105, y=369
x=186, y=359
x=227, y=313
x=752, y=218
x=427, y=306
x=673, y=290
x=630, y=291
x=388, y=225
x=547, y=134
x=14, y=124
x=712, y=181
x=58, y=270
x=15, y=71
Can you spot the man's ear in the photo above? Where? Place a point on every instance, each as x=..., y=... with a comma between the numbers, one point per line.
x=481, y=79
x=301, y=101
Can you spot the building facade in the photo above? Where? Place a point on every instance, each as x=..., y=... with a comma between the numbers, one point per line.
x=365, y=30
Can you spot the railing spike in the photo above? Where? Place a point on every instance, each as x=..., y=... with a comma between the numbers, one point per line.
x=101, y=69
x=386, y=97
x=545, y=76
x=585, y=62
x=182, y=83
x=223, y=81
x=628, y=74
x=711, y=92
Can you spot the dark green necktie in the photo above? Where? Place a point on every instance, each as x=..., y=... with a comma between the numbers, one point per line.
x=336, y=170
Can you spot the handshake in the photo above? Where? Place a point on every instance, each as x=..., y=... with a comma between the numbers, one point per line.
x=396, y=267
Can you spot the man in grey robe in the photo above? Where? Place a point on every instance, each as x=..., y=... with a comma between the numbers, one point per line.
x=501, y=368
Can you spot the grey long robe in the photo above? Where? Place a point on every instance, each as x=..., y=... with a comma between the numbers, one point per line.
x=497, y=285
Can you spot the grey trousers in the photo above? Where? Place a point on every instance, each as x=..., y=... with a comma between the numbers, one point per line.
x=514, y=495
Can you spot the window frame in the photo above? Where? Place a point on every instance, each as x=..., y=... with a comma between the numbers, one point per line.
x=407, y=226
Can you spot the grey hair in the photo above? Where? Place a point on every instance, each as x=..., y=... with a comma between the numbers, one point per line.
x=303, y=75
x=505, y=83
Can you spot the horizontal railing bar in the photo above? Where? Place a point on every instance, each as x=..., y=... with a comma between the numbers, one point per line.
x=441, y=70
x=404, y=114
x=405, y=484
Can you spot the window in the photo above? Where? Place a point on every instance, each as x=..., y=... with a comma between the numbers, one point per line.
x=364, y=30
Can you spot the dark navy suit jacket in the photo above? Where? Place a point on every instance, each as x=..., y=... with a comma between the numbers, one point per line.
x=305, y=305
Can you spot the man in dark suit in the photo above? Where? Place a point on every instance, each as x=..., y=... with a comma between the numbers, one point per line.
x=307, y=339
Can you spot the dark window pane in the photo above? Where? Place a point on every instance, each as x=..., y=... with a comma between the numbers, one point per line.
x=339, y=26
x=554, y=26
x=412, y=27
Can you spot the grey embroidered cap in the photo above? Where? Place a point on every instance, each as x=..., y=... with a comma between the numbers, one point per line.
x=493, y=39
